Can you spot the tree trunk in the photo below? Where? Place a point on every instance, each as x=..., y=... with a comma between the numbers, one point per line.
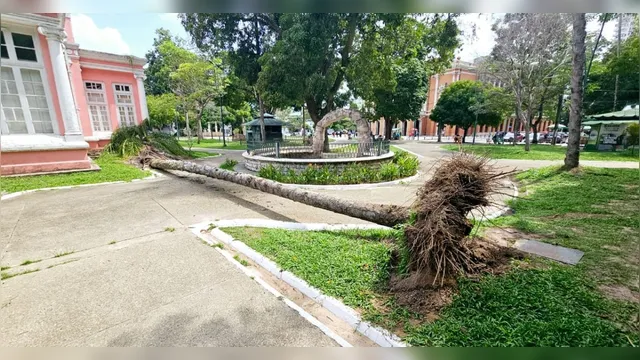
x=387, y=128
x=263, y=130
x=527, y=131
x=199, y=126
x=439, y=132
x=572, y=159
x=516, y=125
x=387, y=215
x=535, y=124
x=464, y=134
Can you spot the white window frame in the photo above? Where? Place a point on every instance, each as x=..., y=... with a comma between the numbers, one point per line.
x=133, y=102
x=15, y=65
x=105, y=104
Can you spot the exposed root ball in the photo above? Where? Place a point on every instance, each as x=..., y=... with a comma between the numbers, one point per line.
x=438, y=240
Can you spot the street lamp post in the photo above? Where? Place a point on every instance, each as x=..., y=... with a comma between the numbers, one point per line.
x=224, y=140
x=475, y=126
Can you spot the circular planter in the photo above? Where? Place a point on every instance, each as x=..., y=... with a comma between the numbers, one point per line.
x=257, y=162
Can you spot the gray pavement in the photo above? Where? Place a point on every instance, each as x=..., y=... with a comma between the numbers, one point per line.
x=152, y=287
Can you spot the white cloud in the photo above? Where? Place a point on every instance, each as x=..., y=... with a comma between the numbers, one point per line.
x=92, y=37
x=479, y=42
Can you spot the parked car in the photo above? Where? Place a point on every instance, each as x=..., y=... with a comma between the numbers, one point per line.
x=508, y=137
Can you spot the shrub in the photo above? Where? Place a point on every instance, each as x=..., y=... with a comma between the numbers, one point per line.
x=228, y=164
x=389, y=171
x=128, y=141
x=407, y=163
x=272, y=173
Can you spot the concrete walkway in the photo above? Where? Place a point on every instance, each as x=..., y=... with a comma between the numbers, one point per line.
x=153, y=286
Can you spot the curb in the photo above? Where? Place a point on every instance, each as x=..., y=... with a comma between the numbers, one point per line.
x=355, y=186
x=409, y=151
x=503, y=210
x=154, y=174
x=196, y=229
x=378, y=335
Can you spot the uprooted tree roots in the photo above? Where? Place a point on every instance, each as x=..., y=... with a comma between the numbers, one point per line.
x=438, y=239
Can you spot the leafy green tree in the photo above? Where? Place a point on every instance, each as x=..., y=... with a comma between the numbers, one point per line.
x=317, y=53
x=308, y=63
x=244, y=37
x=530, y=53
x=199, y=83
x=391, y=71
x=162, y=109
x=465, y=103
x=165, y=55
x=600, y=91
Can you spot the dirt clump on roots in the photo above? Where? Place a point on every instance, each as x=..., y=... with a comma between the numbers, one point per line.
x=438, y=239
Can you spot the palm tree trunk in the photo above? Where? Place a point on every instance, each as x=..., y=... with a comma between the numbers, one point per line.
x=572, y=158
x=387, y=215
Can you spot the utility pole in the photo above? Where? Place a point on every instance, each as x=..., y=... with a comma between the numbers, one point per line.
x=615, y=91
x=475, y=126
x=224, y=139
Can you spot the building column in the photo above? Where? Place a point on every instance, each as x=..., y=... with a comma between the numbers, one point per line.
x=143, y=97
x=55, y=38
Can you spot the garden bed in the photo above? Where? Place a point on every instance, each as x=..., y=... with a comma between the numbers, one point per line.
x=401, y=165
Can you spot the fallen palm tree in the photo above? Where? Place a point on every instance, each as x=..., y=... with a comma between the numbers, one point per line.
x=388, y=215
x=437, y=227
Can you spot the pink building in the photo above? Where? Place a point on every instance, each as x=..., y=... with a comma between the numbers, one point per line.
x=59, y=100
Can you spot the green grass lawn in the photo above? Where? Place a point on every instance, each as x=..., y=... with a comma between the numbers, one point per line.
x=538, y=152
x=112, y=169
x=536, y=303
x=202, y=154
x=214, y=144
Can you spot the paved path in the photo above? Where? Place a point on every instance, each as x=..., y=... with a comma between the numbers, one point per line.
x=152, y=287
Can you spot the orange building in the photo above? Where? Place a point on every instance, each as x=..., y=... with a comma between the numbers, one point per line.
x=461, y=70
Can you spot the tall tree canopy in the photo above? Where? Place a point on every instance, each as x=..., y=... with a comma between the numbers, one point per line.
x=391, y=72
x=162, y=109
x=167, y=53
x=530, y=52
x=322, y=59
x=199, y=83
x=243, y=37
x=599, y=94
x=464, y=102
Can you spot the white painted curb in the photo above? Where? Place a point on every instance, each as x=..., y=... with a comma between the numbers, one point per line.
x=196, y=229
x=154, y=174
x=355, y=186
x=409, y=151
x=503, y=210
x=378, y=335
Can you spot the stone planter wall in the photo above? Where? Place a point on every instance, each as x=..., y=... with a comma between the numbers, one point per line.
x=255, y=162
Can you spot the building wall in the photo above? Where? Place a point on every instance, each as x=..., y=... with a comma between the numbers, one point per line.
x=437, y=84
x=109, y=79
x=64, y=149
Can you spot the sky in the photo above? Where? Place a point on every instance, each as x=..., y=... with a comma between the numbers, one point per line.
x=133, y=34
